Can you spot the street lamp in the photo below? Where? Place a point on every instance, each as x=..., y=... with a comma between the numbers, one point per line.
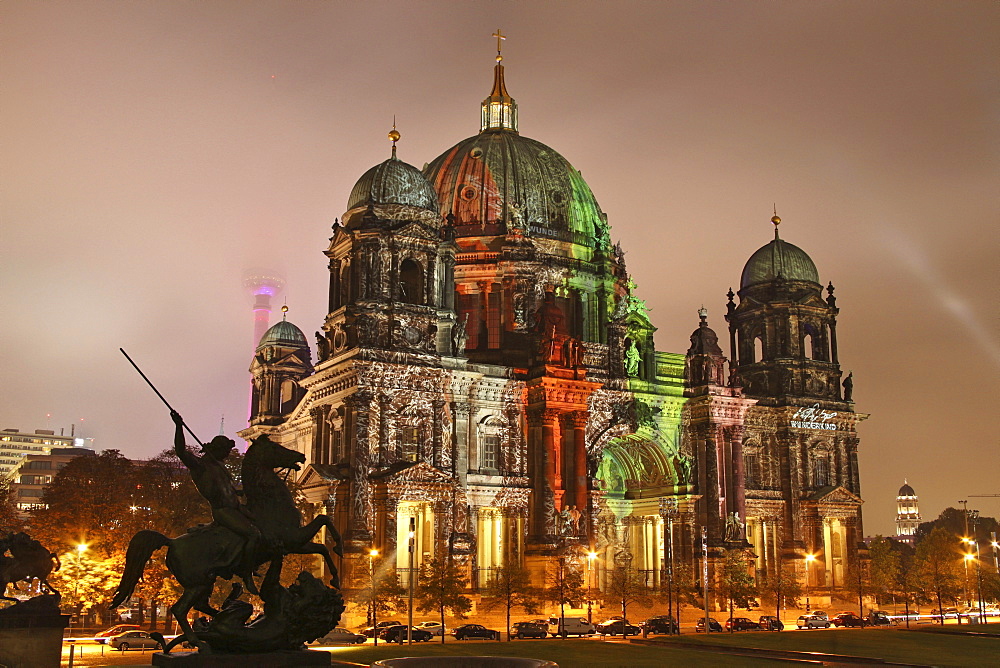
x=80, y=549
x=809, y=559
x=668, y=508
x=591, y=556
x=409, y=621
x=704, y=575
x=372, y=606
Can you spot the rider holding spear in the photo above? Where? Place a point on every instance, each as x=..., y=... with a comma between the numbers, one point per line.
x=215, y=483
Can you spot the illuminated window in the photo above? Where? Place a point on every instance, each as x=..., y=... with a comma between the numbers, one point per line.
x=491, y=452
x=410, y=443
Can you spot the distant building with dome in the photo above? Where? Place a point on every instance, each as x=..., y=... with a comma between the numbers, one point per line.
x=487, y=373
x=907, y=514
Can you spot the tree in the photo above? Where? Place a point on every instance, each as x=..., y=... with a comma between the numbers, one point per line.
x=87, y=580
x=954, y=520
x=89, y=502
x=884, y=565
x=736, y=582
x=780, y=586
x=440, y=588
x=564, y=585
x=9, y=520
x=386, y=594
x=937, y=565
x=625, y=587
x=509, y=588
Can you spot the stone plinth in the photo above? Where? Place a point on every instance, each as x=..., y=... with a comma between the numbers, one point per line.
x=32, y=641
x=283, y=659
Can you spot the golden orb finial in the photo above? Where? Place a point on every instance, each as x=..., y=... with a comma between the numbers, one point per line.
x=776, y=220
x=284, y=308
x=394, y=135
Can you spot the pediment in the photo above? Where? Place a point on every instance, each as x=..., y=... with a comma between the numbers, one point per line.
x=314, y=475
x=835, y=494
x=418, y=473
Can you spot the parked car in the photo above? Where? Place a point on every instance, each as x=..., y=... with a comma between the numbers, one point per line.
x=878, y=618
x=849, y=620
x=133, y=640
x=741, y=624
x=475, y=631
x=618, y=627
x=529, y=630
x=659, y=624
x=435, y=628
x=372, y=631
x=949, y=613
x=812, y=622
x=570, y=626
x=103, y=636
x=399, y=633
x=713, y=625
x=770, y=623
x=818, y=613
x=339, y=636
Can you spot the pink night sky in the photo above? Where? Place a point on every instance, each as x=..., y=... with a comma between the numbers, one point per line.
x=152, y=152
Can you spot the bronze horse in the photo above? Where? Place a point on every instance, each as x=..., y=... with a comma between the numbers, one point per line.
x=208, y=552
x=29, y=560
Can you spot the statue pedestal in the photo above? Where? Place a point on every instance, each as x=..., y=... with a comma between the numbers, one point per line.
x=32, y=641
x=288, y=658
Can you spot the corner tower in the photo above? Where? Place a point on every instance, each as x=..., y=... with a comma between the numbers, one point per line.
x=907, y=514
x=800, y=450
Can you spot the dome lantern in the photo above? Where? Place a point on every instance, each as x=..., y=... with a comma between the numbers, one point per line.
x=499, y=110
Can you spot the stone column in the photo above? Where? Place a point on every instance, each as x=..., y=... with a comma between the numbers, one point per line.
x=712, y=480
x=360, y=494
x=581, y=478
x=460, y=441
x=737, y=499
x=437, y=420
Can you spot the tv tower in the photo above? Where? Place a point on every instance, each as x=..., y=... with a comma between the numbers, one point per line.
x=262, y=285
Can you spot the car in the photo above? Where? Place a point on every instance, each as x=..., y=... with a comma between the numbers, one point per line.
x=849, y=620
x=435, y=628
x=618, y=627
x=878, y=618
x=570, y=626
x=741, y=624
x=133, y=640
x=475, y=631
x=659, y=624
x=818, y=613
x=770, y=623
x=372, y=631
x=949, y=613
x=713, y=625
x=103, y=636
x=529, y=630
x=339, y=636
x=812, y=622
x=399, y=633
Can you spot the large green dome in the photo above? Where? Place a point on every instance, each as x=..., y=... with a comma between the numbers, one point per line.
x=779, y=258
x=499, y=178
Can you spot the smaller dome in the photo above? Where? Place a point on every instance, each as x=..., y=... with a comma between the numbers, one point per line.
x=704, y=340
x=393, y=182
x=283, y=334
x=906, y=490
x=779, y=257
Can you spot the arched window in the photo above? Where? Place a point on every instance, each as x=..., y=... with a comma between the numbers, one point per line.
x=409, y=441
x=346, y=289
x=411, y=284
x=758, y=349
x=490, y=431
x=821, y=469
x=751, y=472
x=491, y=452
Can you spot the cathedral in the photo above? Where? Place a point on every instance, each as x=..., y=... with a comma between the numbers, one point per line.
x=487, y=377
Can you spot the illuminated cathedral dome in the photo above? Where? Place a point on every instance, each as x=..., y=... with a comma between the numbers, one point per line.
x=283, y=334
x=393, y=182
x=779, y=258
x=906, y=490
x=499, y=178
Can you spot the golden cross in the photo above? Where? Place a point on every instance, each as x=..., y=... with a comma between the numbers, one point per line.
x=500, y=36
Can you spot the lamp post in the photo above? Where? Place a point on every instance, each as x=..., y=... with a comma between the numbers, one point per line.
x=974, y=516
x=996, y=548
x=409, y=619
x=591, y=556
x=809, y=559
x=372, y=605
x=668, y=508
x=80, y=549
x=704, y=575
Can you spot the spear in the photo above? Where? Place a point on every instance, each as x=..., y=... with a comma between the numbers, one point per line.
x=136, y=366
